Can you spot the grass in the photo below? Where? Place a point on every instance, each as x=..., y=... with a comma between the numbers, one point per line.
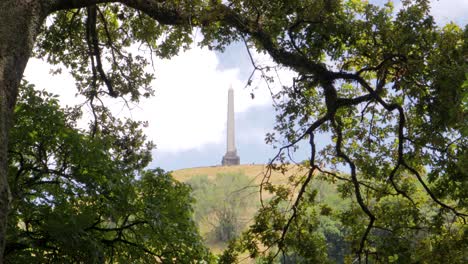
x=255, y=173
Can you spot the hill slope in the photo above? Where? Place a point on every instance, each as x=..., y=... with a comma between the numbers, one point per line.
x=232, y=187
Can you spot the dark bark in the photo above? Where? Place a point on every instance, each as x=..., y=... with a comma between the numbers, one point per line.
x=20, y=21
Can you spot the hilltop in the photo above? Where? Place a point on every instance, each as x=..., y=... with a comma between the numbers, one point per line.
x=253, y=171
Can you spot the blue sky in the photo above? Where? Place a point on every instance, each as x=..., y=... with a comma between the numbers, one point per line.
x=187, y=117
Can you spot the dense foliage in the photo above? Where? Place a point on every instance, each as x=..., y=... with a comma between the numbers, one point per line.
x=79, y=198
x=388, y=87
x=328, y=226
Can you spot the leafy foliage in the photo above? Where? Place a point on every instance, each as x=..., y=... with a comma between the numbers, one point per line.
x=328, y=225
x=81, y=198
x=389, y=88
x=112, y=68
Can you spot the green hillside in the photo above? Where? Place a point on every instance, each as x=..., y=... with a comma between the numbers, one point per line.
x=227, y=198
x=219, y=188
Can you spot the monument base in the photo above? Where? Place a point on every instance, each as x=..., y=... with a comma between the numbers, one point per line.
x=230, y=159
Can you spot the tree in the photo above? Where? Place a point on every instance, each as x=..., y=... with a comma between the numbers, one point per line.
x=83, y=199
x=89, y=41
x=329, y=224
x=388, y=88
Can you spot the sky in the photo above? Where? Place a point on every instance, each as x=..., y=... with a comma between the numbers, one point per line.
x=187, y=115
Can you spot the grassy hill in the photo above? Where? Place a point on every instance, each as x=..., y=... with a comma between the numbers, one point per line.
x=228, y=197
x=216, y=187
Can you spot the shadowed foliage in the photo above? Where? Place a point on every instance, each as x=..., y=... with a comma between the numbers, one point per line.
x=79, y=198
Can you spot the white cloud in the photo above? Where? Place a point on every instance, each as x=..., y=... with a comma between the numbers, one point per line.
x=445, y=11
x=189, y=106
x=38, y=73
x=189, y=109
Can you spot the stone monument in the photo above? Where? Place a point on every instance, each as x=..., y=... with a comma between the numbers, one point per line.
x=230, y=158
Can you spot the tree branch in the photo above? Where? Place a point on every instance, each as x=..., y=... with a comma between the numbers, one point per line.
x=358, y=195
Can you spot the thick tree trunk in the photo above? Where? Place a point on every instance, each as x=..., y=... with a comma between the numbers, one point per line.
x=20, y=21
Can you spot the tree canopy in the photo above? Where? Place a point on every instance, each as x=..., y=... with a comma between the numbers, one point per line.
x=78, y=198
x=389, y=87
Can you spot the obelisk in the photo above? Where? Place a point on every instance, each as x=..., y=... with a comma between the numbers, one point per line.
x=230, y=158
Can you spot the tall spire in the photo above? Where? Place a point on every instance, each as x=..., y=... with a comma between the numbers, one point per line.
x=230, y=158
x=230, y=140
